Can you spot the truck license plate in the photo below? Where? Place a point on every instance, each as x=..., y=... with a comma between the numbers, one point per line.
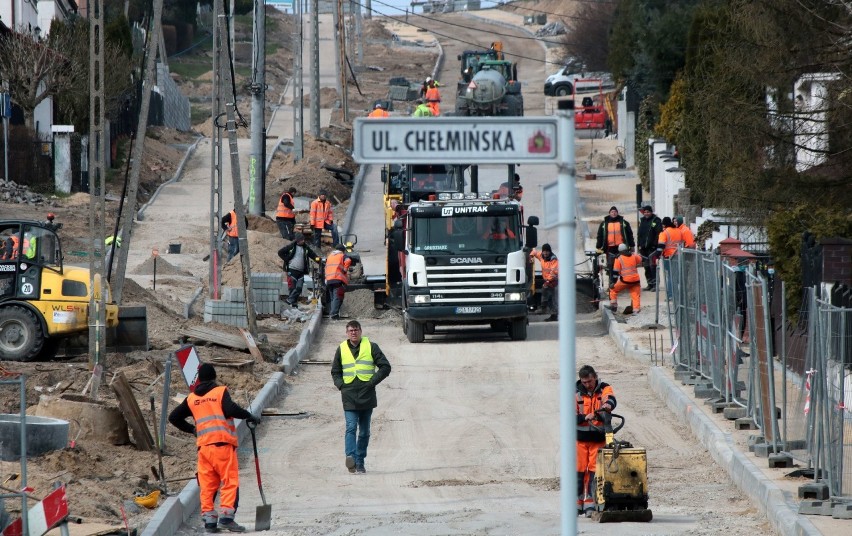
x=468, y=310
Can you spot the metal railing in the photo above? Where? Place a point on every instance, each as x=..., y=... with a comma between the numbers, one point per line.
x=721, y=331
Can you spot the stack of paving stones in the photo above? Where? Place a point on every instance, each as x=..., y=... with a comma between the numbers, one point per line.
x=267, y=290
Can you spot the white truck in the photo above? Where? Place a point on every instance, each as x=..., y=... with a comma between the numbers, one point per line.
x=561, y=83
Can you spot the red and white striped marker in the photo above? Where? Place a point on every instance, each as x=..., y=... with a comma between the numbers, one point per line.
x=42, y=517
x=189, y=363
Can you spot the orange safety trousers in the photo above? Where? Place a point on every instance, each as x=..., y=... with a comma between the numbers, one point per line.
x=587, y=459
x=218, y=465
x=635, y=292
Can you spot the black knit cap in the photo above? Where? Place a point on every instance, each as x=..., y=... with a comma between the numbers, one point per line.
x=206, y=373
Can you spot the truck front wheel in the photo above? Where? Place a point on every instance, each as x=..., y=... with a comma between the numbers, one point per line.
x=414, y=330
x=21, y=336
x=518, y=329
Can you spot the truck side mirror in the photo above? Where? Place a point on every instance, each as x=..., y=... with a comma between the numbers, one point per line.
x=532, y=220
x=531, y=237
x=384, y=175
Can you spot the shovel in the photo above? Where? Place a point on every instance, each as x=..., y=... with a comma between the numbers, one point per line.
x=263, y=515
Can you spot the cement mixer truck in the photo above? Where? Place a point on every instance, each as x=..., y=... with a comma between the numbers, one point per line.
x=493, y=91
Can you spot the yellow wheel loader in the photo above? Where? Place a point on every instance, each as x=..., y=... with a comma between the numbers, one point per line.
x=621, y=479
x=42, y=302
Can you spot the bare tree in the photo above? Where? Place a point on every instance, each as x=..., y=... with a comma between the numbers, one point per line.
x=36, y=69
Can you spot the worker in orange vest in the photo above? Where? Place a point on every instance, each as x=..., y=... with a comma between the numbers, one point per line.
x=214, y=411
x=592, y=397
x=9, y=244
x=550, y=274
x=685, y=233
x=378, y=111
x=285, y=214
x=336, y=278
x=433, y=98
x=322, y=218
x=229, y=224
x=669, y=241
x=626, y=269
x=612, y=231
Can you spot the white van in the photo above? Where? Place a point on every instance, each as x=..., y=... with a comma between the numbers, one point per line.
x=561, y=83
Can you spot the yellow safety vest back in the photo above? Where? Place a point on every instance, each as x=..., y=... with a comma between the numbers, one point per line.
x=363, y=367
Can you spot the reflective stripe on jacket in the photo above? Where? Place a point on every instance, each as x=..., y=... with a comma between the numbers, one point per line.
x=232, y=227
x=669, y=239
x=586, y=403
x=627, y=266
x=283, y=210
x=614, y=234
x=337, y=267
x=321, y=213
x=211, y=426
x=549, y=267
x=361, y=367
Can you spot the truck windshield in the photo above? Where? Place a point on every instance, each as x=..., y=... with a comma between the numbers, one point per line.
x=460, y=234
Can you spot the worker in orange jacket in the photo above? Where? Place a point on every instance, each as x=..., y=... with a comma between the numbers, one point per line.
x=336, y=278
x=285, y=214
x=625, y=271
x=378, y=111
x=433, y=98
x=685, y=233
x=593, y=396
x=550, y=274
x=668, y=243
x=322, y=218
x=229, y=224
x=213, y=410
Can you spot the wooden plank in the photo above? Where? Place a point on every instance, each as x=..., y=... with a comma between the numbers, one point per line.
x=130, y=409
x=217, y=337
x=252, y=346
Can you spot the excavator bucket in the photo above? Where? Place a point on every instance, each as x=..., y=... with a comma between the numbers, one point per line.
x=131, y=333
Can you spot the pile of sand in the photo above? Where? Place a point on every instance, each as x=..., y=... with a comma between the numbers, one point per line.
x=164, y=267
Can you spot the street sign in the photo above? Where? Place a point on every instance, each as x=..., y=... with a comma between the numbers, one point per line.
x=455, y=140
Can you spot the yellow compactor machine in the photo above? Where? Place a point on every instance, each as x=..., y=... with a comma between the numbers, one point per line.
x=621, y=479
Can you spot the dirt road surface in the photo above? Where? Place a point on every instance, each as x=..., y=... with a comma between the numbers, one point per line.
x=465, y=438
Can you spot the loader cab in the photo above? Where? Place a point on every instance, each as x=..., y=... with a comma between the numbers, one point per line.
x=26, y=247
x=422, y=181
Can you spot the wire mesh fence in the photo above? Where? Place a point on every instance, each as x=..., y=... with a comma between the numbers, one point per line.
x=722, y=334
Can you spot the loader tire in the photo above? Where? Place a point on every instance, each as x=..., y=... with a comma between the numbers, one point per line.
x=21, y=335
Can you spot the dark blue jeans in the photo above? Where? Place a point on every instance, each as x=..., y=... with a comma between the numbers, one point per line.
x=357, y=433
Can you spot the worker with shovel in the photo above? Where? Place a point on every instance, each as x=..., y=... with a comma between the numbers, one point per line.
x=213, y=410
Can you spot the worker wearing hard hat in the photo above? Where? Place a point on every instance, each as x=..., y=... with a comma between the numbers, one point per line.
x=625, y=272
x=213, y=410
x=379, y=111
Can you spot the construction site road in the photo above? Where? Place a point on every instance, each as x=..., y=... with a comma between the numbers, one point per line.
x=465, y=439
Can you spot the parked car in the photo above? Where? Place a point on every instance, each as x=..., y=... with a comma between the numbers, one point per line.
x=561, y=83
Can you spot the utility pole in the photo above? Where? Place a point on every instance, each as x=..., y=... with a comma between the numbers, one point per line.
x=368, y=6
x=340, y=44
x=242, y=232
x=298, y=86
x=256, y=166
x=214, y=271
x=97, y=212
x=315, y=74
x=129, y=211
x=359, y=31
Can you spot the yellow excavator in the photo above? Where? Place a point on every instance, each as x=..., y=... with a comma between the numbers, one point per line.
x=621, y=479
x=42, y=302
